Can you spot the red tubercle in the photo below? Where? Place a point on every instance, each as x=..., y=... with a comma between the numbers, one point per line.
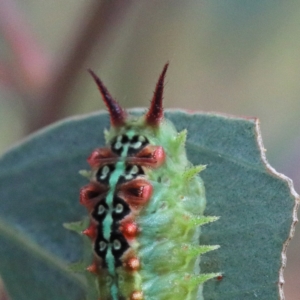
x=220, y=277
x=137, y=295
x=102, y=156
x=155, y=113
x=96, y=266
x=129, y=229
x=136, y=192
x=117, y=113
x=132, y=264
x=93, y=268
x=150, y=156
x=91, y=194
x=91, y=231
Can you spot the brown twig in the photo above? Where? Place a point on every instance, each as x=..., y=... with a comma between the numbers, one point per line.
x=29, y=67
x=6, y=79
x=3, y=293
x=100, y=18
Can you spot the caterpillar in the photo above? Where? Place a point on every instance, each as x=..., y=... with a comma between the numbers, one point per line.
x=145, y=203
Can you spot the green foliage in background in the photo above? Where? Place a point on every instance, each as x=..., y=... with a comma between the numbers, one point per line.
x=39, y=188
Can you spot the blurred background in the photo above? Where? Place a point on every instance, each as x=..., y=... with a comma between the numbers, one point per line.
x=236, y=57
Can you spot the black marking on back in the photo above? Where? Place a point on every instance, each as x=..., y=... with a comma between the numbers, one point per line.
x=117, y=242
x=98, y=247
x=131, y=172
x=121, y=209
x=103, y=174
x=119, y=246
x=136, y=143
x=100, y=211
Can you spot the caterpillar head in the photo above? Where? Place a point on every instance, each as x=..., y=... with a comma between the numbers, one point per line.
x=119, y=116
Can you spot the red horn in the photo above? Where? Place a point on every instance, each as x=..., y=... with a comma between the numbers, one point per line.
x=155, y=113
x=117, y=113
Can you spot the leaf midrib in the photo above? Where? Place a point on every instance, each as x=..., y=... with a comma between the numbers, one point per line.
x=28, y=245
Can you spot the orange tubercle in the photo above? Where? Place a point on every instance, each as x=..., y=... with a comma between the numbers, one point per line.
x=129, y=229
x=91, y=231
x=137, y=295
x=220, y=277
x=93, y=268
x=132, y=263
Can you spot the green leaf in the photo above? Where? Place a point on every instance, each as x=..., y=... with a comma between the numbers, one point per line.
x=39, y=188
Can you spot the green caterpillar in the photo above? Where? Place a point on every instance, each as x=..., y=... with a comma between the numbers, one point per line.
x=146, y=203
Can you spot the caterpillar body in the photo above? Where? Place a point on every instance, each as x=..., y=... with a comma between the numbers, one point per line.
x=145, y=202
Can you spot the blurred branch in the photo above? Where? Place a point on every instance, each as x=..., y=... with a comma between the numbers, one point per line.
x=101, y=16
x=29, y=68
x=45, y=83
x=3, y=293
x=6, y=79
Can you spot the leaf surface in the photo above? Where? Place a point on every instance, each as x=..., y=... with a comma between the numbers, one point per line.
x=39, y=188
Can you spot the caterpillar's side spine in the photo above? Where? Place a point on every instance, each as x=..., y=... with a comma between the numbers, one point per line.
x=146, y=203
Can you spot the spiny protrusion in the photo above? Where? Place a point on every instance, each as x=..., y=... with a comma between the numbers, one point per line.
x=185, y=223
x=180, y=139
x=155, y=113
x=192, y=221
x=192, y=172
x=117, y=113
x=191, y=251
x=191, y=281
x=85, y=173
x=171, y=254
x=93, y=268
x=75, y=226
x=91, y=231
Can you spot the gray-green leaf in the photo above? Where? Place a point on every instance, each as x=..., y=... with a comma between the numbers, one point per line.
x=39, y=187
